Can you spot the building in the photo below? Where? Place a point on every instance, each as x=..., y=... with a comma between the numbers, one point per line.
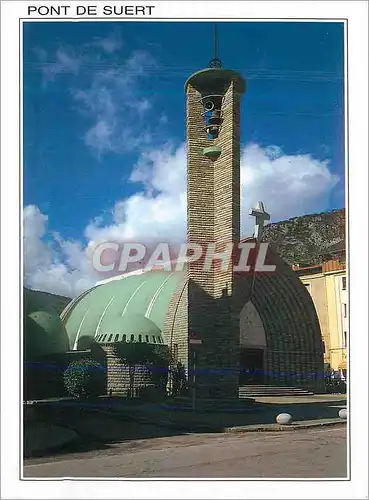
x=327, y=285
x=230, y=328
x=247, y=328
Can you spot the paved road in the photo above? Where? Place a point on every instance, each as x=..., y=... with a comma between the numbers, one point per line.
x=313, y=453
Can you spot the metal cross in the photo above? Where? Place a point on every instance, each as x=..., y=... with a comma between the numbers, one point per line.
x=260, y=217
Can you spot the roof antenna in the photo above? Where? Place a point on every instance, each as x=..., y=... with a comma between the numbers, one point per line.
x=215, y=62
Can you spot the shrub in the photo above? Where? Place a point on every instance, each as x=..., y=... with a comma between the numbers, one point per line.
x=179, y=379
x=334, y=385
x=159, y=363
x=84, y=378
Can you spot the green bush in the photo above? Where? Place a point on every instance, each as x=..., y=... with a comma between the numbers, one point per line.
x=334, y=385
x=179, y=379
x=84, y=378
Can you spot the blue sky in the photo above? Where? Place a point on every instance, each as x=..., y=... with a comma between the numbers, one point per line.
x=104, y=123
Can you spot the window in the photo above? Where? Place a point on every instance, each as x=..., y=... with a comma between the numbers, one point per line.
x=147, y=339
x=344, y=310
x=132, y=337
x=344, y=283
x=345, y=338
x=154, y=339
x=140, y=338
x=124, y=338
x=103, y=338
x=116, y=337
x=110, y=337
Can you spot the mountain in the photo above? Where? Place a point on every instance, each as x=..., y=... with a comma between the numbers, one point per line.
x=307, y=240
x=36, y=300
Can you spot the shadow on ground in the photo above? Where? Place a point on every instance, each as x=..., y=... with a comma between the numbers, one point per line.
x=98, y=425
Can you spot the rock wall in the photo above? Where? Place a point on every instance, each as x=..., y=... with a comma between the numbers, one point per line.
x=306, y=240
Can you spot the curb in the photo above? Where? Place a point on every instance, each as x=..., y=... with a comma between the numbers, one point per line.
x=284, y=428
x=246, y=428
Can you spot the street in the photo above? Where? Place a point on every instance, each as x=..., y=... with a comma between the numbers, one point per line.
x=313, y=453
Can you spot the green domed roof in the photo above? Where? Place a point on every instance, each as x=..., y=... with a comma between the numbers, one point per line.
x=44, y=334
x=131, y=327
x=131, y=299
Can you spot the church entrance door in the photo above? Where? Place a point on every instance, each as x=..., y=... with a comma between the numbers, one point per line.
x=251, y=366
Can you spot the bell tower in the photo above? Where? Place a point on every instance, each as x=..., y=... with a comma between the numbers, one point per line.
x=213, y=220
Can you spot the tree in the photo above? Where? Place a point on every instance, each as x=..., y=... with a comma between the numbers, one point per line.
x=159, y=362
x=84, y=378
x=179, y=380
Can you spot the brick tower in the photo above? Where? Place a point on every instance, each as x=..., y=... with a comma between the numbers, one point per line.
x=213, y=217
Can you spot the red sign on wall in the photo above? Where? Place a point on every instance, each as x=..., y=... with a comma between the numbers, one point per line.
x=194, y=340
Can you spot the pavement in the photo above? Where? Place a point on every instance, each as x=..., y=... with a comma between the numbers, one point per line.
x=306, y=453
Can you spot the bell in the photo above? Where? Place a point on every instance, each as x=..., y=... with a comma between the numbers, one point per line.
x=212, y=131
x=214, y=120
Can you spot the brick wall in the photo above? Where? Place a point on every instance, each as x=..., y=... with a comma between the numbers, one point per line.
x=213, y=216
x=120, y=375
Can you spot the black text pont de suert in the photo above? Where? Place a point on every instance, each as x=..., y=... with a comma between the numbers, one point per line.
x=91, y=10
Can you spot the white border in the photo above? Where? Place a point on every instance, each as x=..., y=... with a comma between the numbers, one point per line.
x=356, y=12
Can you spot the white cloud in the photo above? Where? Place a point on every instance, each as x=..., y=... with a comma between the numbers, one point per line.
x=115, y=107
x=65, y=61
x=110, y=95
x=109, y=44
x=159, y=210
x=99, y=137
x=289, y=186
x=53, y=265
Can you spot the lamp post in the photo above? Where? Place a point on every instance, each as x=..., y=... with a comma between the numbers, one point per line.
x=192, y=342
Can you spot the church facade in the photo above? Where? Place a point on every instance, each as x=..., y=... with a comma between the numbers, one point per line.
x=234, y=328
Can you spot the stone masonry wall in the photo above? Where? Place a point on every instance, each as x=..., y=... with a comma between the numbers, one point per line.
x=227, y=185
x=175, y=329
x=213, y=217
x=200, y=189
x=118, y=374
x=294, y=354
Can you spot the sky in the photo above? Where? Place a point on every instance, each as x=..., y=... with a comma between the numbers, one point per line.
x=104, y=155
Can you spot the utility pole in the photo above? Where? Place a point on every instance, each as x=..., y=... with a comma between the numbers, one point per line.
x=194, y=382
x=193, y=340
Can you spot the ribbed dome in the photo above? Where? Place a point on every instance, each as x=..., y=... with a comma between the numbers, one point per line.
x=131, y=327
x=130, y=305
